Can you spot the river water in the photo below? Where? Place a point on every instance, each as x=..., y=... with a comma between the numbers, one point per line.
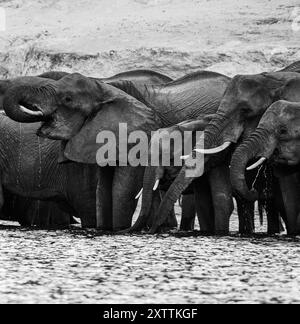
x=82, y=267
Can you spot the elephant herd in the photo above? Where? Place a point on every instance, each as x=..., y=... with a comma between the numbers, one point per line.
x=50, y=174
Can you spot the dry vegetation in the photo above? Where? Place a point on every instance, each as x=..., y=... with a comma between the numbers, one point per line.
x=103, y=37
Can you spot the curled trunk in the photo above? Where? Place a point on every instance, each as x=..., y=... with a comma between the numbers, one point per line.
x=14, y=99
x=30, y=99
x=246, y=152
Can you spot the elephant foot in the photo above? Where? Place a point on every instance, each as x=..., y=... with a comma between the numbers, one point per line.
x=293, y=233
x=207, y=233
x=88, y=225
x=169, y=229
x=222, y=233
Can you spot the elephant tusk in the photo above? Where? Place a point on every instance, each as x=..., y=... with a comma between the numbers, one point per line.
x=156, y=185
x=257, y=164
x=139, y=194
x=184, y=157
x=31, y=112
x=215, y=150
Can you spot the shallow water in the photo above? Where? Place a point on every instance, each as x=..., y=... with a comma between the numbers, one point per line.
x=79, y=267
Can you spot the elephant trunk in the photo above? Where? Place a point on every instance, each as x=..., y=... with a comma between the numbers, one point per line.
x=30, y=99
x=247, y=151
x=148, y=185
x=14, y=104
x=213, y=131
x=180, y=184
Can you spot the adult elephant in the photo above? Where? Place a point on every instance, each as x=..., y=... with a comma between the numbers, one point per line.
x=167, y=144
x=243, y=104
x=72, y=176
x=276, y=138
x=76, y=109
x=26, y=211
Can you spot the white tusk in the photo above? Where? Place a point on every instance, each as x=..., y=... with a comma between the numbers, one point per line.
x=31, y=112
x=156, y=185
x=257, y=164
x=214, y=150
x=139, y=194
x=184, y=157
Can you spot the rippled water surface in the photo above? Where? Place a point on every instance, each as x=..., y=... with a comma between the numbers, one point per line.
x=79, y=267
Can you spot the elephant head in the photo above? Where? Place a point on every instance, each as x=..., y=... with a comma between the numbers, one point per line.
x=62, y=104
x=277, y=136
x=245, y=101
x=5, y=84
x=75, y=109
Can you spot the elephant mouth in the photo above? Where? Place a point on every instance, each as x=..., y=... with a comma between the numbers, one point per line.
x=46, y=129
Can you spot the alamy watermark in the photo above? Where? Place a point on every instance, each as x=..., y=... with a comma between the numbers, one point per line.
x=165, y=148
x=2, y=19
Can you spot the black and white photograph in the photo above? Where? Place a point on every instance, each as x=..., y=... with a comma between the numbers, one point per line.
x=149, y=154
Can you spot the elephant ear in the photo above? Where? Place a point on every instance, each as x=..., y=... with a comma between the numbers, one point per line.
x=290, y=91
x=109, y=127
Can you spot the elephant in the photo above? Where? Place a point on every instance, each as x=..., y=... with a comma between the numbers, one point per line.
x=31, y=212
x=277, y=139
x=161, y=177
x=73, y=175
x=75, y=109
x=246, y=99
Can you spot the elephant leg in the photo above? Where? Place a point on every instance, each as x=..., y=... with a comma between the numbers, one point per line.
x=188, y=213
x=2, y=213
x=127, y=183
x=272, y=217
x=23, y=208
x=221, y=190
x=104, y=201
x=156, y=200
x=290, y=194
x=171, y=222
x=50, y=214
x=245, y=210
x=1, y=196
x=204, y=205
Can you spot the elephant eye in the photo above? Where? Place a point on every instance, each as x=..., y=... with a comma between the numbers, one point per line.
x=68, y=99
x=283, y=131
x=246, y=110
